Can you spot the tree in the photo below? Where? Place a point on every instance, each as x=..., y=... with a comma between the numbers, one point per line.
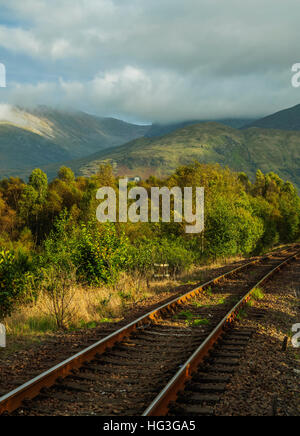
x=260, y=184
x=39, y=182
x=32, y=203
x=66, y=175
x=105, y=176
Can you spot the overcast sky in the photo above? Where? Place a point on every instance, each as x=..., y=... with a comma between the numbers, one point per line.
x=152, y=60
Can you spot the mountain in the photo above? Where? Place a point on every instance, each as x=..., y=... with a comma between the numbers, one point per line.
x=287, y=119
x=21, y=148
x=163, y=129
x=31, y=138
x=242, y=150
x=48, y=138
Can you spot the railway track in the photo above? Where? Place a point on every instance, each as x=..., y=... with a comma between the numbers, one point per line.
x=128, y=370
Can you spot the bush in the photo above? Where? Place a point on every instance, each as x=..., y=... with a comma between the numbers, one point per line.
x=221, y=233
x=232, y=228
x=58, y=247
x=173, y=253
x=163, y=251
x=141, y=257
x=58, y=286
x=16, y=281
x=100, y=253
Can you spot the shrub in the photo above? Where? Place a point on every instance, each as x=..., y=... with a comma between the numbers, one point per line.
x=141, y=257
x=58, y=247
x=232, y=228
x=16, y=281
x=175, y=254
x=58, y=286
x=162, y=251
x=221, y=233
x=100, y=253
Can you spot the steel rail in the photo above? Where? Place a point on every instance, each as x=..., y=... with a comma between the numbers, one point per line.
x=27, y=391
x=160, y=405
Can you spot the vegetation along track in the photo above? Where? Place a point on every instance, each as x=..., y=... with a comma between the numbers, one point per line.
x=124, y=372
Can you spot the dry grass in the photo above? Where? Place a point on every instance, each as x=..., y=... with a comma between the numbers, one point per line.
x=91, y=306
x=88, y=306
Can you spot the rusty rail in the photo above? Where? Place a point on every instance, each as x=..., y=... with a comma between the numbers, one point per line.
x=160, y=406
x=13, y=400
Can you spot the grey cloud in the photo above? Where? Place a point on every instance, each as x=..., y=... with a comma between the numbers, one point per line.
x=160, y=59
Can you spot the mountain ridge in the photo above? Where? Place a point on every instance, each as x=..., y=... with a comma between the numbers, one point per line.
x=41, y=136
x=286, y=119
x=242, y=150
x=82, y=142
x=162, y=129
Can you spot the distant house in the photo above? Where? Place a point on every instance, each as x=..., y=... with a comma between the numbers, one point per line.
x=135, y=179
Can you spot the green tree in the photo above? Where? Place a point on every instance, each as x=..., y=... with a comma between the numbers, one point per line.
x=66, y=175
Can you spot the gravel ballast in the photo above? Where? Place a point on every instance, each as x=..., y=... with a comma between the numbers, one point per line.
x=267, y=381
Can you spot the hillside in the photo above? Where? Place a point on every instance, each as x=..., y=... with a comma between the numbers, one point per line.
x=242, y=150
x=163, y=129
x=83, y=134
x=287, y=119
x=30, y=138
x=49, y=138
x=21, y=148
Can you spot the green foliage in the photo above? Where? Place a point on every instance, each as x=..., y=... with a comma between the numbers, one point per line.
x=58, y=286
x=143, y=256
x=209, y=291
x=56, y=221
x=191, y=320
x=242, y=314
x=16, y=281
x=173, y=253
x=39, y=182
x=66, y=175
x=258, y=294
x=203, y=321
x=58, y=247
x=186, y=314
x=231, y=228
x=100, y=253
x=32, y=203
x=97, y=252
